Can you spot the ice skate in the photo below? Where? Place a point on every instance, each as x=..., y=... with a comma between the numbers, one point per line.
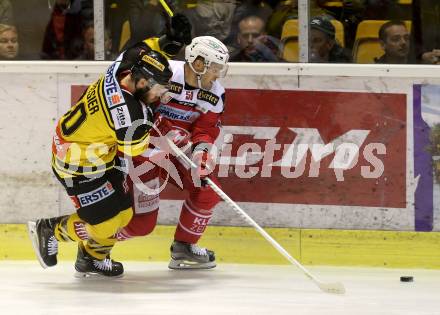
x=190, y=256
x=43, y=240
x=88, y=266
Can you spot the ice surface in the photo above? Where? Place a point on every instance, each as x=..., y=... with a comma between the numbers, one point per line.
x=150, y=288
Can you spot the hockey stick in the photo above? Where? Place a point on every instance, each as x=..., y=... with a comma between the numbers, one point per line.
x=336, y=288
x=166, y=7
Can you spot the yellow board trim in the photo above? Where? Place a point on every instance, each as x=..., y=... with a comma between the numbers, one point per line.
x=245, y=245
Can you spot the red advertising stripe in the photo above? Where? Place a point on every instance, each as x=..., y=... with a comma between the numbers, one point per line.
x=332, y=114
x=374, y=121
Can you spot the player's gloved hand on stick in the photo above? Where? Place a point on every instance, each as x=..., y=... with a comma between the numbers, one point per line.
x=204, y=160
x=178, y=34
x=180, y=137
x=180, y=29
x=163, y=128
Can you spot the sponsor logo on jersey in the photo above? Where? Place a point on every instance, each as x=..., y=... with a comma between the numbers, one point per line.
x=121, y=117
x=116, y=99
x=158, y=65
x=177, y=114
x=183, y=103
x=96, y=195
x=175, y=87
x=75, y=202
x=80, y=230
x=147, y=197
x=111, y=89
x=208, y=97
x=145, y=200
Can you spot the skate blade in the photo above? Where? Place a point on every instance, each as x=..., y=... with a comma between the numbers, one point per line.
x=189, y=265
x=94, y=275
x=32, y=231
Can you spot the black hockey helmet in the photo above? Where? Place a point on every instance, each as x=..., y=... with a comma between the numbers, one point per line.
x=153, y=65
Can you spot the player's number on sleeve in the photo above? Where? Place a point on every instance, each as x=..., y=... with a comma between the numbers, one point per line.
x=74, y=119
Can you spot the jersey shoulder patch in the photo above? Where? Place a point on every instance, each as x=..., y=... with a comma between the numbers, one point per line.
x=211, y=100
x=121, y=117
x=178, y=78
x=124, y=115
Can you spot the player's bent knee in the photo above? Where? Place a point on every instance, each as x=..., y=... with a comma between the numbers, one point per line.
x=206, y=199
x=109, y=227
x=142, y=224
x=125, y=216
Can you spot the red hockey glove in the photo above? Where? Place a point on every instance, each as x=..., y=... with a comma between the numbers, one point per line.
x=161, y=126
x=179, y=136
x=164, y=128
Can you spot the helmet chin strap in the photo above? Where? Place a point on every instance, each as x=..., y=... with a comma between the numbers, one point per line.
x=199, y=80
x=198, y=74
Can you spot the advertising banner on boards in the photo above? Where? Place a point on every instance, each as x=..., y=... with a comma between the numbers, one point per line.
x=426, y=112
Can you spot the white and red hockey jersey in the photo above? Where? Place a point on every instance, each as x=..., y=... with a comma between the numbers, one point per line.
x=195, y=110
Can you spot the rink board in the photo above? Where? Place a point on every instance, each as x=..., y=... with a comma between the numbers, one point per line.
x=245, y=245
x=313, y=200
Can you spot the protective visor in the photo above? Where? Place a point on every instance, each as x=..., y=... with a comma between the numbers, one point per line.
x=218, y=69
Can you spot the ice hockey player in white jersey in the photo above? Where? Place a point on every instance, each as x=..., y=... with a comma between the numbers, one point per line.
x=191, y=114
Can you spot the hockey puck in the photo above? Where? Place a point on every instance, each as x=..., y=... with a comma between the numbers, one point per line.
x=406, y=279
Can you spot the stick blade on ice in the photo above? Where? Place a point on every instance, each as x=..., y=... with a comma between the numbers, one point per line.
x=334, y=288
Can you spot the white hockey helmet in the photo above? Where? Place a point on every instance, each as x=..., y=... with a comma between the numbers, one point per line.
x=213, y=51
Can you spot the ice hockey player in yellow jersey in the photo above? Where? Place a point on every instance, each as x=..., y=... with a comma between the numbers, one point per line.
x=112, y=117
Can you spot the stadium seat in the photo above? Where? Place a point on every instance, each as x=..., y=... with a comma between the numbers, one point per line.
x=125, y=34
x=367, y=44
x=333, y=4
x=289, y=38
x=339, y=29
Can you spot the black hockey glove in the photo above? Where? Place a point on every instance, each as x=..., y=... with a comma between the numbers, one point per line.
x=180, y=30
x=178, y=34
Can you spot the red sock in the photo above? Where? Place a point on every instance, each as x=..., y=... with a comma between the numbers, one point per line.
x=192, y=223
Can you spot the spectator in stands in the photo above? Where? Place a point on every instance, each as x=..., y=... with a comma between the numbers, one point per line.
x=65, y=28
x=6, y=13
x=247, y=8
x=323, y=45
x=253, y=44
x=88, y=44
x=426, y=30
x=394, y=39
x=287, y=10
x=211, y=18
x=8, y=42
x=147, y=19
x=116, y=13
x=431, y=57
x=354, y=11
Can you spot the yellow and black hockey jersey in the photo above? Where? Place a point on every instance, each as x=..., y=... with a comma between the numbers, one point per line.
x=106, y=119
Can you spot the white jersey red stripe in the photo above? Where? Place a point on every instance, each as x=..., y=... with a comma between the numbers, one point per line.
x=196, y=110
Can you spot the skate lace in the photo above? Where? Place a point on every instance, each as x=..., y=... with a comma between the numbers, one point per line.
x=105, y=264
x=52, y=246
x=198, y=250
